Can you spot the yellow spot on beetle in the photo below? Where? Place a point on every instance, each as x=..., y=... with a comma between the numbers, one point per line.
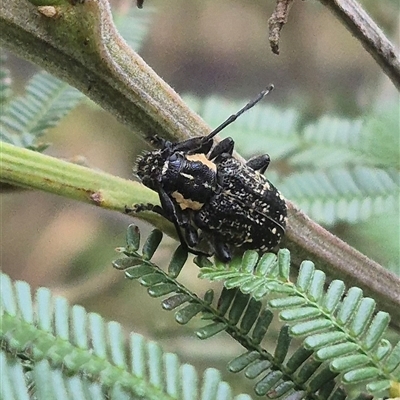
x=186, y=203
x=203, y=159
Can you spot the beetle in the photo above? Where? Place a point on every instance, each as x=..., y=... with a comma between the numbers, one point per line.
x=211, y=196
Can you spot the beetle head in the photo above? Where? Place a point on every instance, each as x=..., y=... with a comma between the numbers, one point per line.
x=149, y=168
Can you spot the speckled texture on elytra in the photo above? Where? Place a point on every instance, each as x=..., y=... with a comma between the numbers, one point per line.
x=248, y=211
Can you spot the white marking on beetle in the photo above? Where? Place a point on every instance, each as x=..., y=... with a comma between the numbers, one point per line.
x=165, y=167
x=188, y=176
x=266, y=186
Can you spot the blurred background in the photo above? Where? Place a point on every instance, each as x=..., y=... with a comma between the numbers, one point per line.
x=201, y=48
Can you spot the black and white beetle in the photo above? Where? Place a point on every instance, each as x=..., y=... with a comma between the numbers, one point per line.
x=209, y=195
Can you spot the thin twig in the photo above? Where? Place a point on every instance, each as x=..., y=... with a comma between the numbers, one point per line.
x=276, y=22
x=357, y=21
x=362, y=27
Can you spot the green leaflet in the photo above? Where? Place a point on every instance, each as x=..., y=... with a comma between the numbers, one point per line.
x=63, y=352
x=341, y=335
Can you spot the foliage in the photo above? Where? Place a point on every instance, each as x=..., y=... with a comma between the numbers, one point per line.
x=335, y=169
x=5, y=81
x=54, y=351
x=342, y=338
x=26, y=118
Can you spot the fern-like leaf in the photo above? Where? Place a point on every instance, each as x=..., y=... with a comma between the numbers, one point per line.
x=42, y=381
x=381, y=141
x=370, y=141
x=70, y=353
x=344, y=194
x=28, y=117
x=237, y=314
x=330, y=141
x=5, y=81
x=347, y=333
x=342, y=338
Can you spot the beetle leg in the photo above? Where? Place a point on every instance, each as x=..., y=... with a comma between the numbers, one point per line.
x=181, y=222
x=198, y=252
x=194, y=145
x=140, y=207
x=224, y=146
x=192, y=238
x=259, y=163
x=222, y=251
x=172, y=214
x=203, y=148
x=157, y=141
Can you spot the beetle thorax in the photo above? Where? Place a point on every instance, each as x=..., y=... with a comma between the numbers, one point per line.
x=189, y=179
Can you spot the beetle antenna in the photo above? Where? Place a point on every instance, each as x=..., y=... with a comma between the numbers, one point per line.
x=234, y=117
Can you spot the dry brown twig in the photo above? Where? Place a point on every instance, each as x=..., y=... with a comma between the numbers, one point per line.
x=276, y=22
x=358, y=22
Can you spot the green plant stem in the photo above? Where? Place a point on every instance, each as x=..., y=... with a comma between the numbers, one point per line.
x=82, y=47
x=33, y=170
